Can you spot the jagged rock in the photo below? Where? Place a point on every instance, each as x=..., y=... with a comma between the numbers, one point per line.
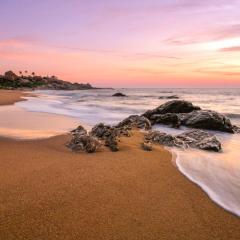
x=135, y=121
x=207, y=120
x=200, y=139
x=102, y=131
x=82, y=141
x=175, y=106
x=164, y=139
x=107, y=133
x=112, y=142
x=80, y=130
x=118, y=94
x=194, y=139
x=146, y=146
x=169, y=97
x=236, y=129
x=168, y=119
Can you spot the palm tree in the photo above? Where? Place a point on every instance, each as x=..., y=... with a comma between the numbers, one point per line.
x=20, y=73
x=33, y=74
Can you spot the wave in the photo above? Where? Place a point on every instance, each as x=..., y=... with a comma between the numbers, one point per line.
x=217, y=174
x=232, y=115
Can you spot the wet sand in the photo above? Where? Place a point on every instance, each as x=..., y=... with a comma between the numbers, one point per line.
x=48, y=192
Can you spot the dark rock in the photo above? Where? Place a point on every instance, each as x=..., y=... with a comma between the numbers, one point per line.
x=175, y=106
x=107, y=133
x=194, y=139
x=200, y=139
x=135, y=121
x=80, y=130
x=164, y=139
x=118, y=94
x=236, y=129
x=207, y=120
x=146, y=146
x=112, y=142
x=82, y=141
x=171, y=119
x=169, y=97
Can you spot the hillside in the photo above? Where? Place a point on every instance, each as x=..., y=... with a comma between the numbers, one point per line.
x=10, y=80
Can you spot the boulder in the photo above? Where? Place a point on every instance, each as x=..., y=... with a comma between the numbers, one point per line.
x=236, y=129
x=118, y=94
x=80, y=130
x=169, y=97
x=207, y=120
x=107, y=133
x=146, y=146
x=164, y=139
x=194, y=139
x=135, y=121
x=171, y=119
x=83, y=142
x=200, y=139
x=174, y=106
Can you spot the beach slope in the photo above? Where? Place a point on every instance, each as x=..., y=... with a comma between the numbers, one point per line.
x=48, y=192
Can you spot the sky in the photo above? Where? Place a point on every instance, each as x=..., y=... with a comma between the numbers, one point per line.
x=111, y=43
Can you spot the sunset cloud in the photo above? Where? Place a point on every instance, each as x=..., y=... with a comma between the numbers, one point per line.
x=112, y=42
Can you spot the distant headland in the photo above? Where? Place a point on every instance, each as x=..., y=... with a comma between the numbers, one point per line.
x=24, y=80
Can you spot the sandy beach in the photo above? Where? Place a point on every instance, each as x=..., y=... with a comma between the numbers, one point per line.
x=8, y=97
x=49, y=192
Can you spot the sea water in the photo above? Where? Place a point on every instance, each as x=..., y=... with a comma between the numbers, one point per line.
x=218, y=174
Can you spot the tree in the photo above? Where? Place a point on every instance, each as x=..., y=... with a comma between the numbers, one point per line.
x=33, y=74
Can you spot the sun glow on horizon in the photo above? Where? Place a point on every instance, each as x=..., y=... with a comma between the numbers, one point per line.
x=137, y=43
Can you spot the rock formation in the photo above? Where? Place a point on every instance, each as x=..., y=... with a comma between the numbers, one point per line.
x=135, y=121
x=118, y=94
x=169, y=97
x=182, y=113
x=83, y=142
x=194, y=139
x=12, y=81
x=175, y=106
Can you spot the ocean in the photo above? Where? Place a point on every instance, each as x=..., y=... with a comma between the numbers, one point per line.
x=218, y=174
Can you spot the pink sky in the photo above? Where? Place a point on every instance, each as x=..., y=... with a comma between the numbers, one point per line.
x=144, y=43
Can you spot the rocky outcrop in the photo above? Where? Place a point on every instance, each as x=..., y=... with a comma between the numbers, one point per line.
x=194, y=139
x=108, y=134
x=201, y=139
x=147, y=146
x=175, y=106
x=207, y=120
x=171, y=119
x=12, y=81
x=135, y=121
x=182, y=113
x=169, y=97
x=83, y=142
x=118, y=94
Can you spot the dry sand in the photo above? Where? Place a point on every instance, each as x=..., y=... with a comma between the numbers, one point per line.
x=48, y=192
x=8, y=97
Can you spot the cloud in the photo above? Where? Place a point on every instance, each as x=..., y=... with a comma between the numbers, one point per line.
x=217, y=33
x=231, y=49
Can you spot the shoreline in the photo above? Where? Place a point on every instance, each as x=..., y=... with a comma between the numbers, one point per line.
x=9, y=97
x=130, y=194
